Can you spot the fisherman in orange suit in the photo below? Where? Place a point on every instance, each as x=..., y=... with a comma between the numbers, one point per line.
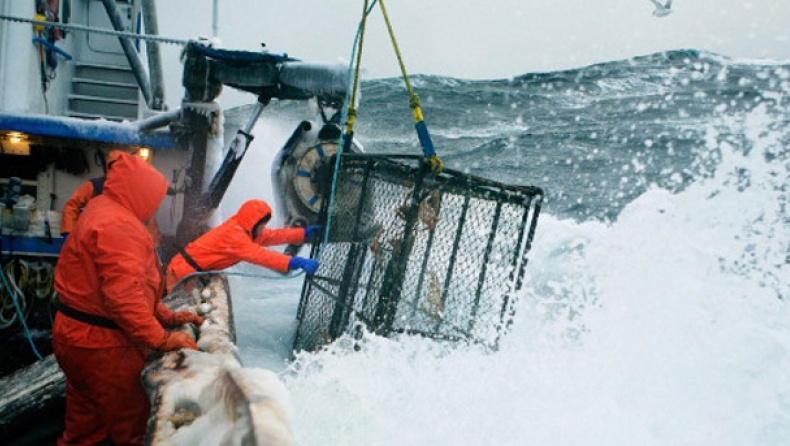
x=110, y=315
x=80, y=198
x=76, y=203
x=90, y=189
x=73, y=207
x=242, y=238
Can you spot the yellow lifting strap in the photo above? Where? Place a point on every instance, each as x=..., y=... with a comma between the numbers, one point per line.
x=352, y=110
x=436, y=163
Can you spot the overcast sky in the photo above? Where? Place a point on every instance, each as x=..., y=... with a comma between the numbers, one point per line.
x=485, y=39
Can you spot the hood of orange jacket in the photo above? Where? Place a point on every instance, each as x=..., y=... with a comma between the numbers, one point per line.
x=251, y=213
x=108, y=266
x=134, y=184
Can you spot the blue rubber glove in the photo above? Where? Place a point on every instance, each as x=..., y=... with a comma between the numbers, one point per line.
x=312, y=231
x=308, y=265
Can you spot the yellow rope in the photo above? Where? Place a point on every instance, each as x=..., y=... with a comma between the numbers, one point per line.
x=352, y=110
x=414, y=100
x=436, y=164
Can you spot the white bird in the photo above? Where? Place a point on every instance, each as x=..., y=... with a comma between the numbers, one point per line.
x=662, y=10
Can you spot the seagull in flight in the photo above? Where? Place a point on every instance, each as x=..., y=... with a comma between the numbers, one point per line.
x=662, y=10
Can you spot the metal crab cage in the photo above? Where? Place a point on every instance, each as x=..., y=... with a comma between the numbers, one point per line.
x=413, y=252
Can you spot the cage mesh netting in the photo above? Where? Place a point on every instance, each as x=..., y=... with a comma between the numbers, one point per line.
x=413, y=252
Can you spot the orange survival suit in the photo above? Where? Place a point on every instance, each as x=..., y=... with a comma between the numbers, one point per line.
x=110, y=313
x=76, y=203
x=87, y=191
x=232, y=242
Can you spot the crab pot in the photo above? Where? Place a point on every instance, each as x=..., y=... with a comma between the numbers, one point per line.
x=412, y=252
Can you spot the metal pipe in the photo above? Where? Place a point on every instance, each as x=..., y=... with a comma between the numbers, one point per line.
x=131, y=54
x=221, y=181
x=215, y=19
x=154, y=56
x=158, y=121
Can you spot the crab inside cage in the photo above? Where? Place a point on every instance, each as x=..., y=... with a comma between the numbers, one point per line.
x=409, y=251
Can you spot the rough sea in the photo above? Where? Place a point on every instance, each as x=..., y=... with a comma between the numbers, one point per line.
x=656, y=304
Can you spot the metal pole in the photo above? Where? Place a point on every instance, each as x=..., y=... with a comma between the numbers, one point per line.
x=215, y=19
x=128, y=48
x=154, y=56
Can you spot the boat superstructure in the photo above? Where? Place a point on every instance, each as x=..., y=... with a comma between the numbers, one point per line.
x=78, y=79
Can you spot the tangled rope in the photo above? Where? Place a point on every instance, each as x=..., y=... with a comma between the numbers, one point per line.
x=15, y=296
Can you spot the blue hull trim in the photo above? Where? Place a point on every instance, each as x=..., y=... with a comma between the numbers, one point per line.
x=30, y=246
x=92, y=130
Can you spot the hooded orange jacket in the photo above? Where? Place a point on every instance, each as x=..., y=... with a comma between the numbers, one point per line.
x=85, y=193
x=75, y=204
x=108, y=266
x=231, y=242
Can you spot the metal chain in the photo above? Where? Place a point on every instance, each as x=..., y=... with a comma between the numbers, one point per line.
x=88, y=29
